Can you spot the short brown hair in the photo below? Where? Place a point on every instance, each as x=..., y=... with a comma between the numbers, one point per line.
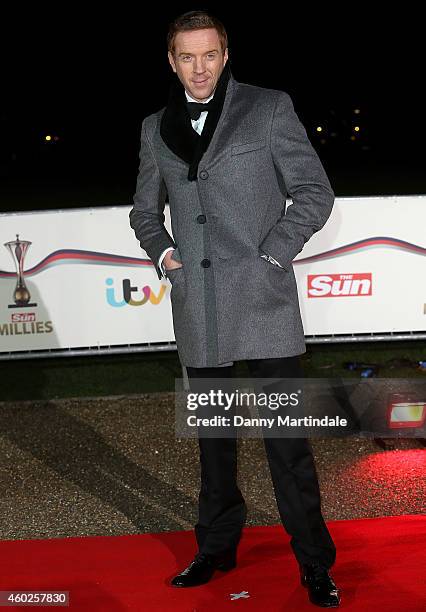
x=196, y=20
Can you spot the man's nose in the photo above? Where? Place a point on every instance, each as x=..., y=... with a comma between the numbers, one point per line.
x=199, y=65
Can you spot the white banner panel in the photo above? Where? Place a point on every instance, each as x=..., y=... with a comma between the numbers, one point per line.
x=365, y=271
x=77, y=278
x=89, y=280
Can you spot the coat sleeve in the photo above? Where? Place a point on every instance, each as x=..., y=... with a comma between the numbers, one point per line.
x=147, y=215
x=299, y=167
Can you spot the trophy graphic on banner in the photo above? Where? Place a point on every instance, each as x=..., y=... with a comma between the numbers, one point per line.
x=18, y=249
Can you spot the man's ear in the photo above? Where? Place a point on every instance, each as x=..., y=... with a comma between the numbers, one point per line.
x=225, y=56
x=171, y=61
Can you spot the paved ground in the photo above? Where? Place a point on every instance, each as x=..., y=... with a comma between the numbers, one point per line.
x=110, y=466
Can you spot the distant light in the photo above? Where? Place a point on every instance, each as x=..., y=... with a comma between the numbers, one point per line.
x=357, y=111
x=56, y=138
x=353, y=137
x=402, y=414
x=48, y=138
x=356, y=128
x=319, y=129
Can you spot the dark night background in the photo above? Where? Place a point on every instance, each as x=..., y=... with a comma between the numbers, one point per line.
x=90, y=79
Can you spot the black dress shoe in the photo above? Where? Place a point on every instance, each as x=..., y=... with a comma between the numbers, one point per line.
x=322, y=589
x=202, y=568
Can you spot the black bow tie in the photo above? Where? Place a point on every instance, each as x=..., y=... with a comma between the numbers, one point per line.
x=196, y=108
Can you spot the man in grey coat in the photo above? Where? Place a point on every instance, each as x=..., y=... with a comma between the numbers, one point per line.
x=227, y=154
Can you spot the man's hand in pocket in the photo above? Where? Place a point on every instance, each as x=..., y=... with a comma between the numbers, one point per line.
x=169, y=263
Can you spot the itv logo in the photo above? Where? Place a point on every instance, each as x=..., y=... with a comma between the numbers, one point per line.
x=148, y=295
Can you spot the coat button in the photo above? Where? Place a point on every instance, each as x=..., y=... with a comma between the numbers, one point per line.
x=205, y=263
x=201, y=218
x=204, y=174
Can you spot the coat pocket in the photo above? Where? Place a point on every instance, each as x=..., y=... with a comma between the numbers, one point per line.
x=248, y=146
x=176, y=255
x=175, y=274
x=279, y=280
x=178, y=286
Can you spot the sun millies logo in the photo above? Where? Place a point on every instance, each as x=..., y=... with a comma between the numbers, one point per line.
x=22, y=323
x=339, y=285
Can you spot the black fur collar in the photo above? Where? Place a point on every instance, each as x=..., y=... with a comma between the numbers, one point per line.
x=176, y=129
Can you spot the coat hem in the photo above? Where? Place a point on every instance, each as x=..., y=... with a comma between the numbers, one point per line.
x=244, y=357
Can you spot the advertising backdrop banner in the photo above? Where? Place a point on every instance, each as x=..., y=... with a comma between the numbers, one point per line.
x=78, y=278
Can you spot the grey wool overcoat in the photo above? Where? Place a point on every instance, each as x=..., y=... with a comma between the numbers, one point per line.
x=228, y=303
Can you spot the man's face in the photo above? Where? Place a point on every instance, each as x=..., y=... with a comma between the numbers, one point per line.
x=198, y=61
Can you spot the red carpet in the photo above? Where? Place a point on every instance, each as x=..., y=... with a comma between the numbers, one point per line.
x=380, y=566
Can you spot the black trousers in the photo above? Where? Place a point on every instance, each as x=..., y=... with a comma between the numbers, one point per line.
x=222, y=508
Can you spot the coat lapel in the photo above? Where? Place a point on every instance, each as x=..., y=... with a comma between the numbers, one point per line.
x=177, y=132
x=214, y=146
x=176, y=129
